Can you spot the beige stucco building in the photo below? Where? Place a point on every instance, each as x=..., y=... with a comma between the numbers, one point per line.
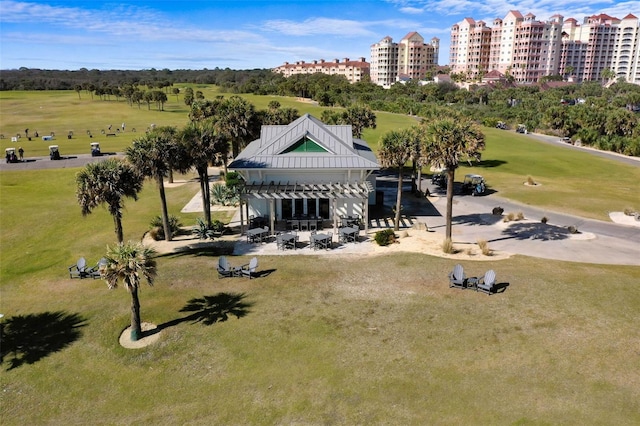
x=411, y=58
x=353, y=71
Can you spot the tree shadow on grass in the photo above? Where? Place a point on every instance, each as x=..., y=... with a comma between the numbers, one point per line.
x=202, y=249
x=209, y=310
x=29, y=338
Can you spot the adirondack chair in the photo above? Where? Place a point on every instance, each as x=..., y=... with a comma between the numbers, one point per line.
x=97, y=271
x=487, y=283
x=79, y=270
x=457, y=278
x=250, y=269
x=224, y=269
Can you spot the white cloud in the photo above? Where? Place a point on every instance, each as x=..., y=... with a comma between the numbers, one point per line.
x=315, y=26
x=411, y=10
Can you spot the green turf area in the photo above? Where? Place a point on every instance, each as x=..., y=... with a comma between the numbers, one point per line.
x=326, y=339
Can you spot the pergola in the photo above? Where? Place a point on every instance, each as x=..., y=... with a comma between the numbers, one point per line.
x=332, y=191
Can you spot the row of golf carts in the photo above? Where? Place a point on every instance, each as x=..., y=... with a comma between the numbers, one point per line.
x=54, y=153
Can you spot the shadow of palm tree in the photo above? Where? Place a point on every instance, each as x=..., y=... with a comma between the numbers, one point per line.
x=209, y=310
x=29, y=338
x=536, y=231
x=203, y=249
x=477, y=219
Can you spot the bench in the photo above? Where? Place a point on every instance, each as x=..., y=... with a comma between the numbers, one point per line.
x=111, y=134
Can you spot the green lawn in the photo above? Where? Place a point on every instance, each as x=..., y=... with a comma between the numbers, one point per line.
x=324, y=340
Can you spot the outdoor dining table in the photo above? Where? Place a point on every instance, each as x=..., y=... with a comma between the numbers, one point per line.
x=320, y=241
x=257, y=234
x=348, y=234
x=286, y=240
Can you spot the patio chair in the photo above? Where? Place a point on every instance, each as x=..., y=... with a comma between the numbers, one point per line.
x=457, y=277
x=224, y=269
x=79, y=270
x=487, y=283
x=250, y=269
x=97, y=271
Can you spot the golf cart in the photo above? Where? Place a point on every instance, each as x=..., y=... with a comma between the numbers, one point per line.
x=439, y=178
x=10, y=155
x=54, y=153
x=521, y=129
x=501, y=125
x=474, y=185
x=95, y=149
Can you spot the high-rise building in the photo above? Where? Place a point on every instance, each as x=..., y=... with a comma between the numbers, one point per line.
x=353, y=71
x=415, y=57
x=527, y=49
x=601, y=42
x=411, y=58
x=384, y=62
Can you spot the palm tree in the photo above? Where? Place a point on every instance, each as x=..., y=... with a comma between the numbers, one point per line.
x=201, y=144
x=129, y=262
x=108, y=182
x=447, y=141
x=395, y=151
x=236, y=120
x=360, y=117
x=154, y=155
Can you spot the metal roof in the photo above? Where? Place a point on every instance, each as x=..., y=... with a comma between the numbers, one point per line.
x=342, y=150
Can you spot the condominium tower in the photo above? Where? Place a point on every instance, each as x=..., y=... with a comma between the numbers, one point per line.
x=527, y=49
x=411, y=58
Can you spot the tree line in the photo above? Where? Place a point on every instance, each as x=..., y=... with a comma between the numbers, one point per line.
x=607, y=118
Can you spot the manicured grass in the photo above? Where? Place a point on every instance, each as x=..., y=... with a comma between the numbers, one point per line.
x=62, y=111
x=569, y=180
x=351, y=340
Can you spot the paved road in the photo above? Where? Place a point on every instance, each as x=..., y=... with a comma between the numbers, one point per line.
x=41, y=163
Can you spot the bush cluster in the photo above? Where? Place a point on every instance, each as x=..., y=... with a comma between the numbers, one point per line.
x=385, y=237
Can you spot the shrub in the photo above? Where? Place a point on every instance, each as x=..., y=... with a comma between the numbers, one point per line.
x=232, y=180
x=484, y=247
x=497, y=211
x=156, y=233
x=530, y=181
x=629, y=212
x=156, y=227
x=202, y=231
x=385, y=237
x=572, y=229
x=510, y=217
x=224, y=195
x=447, y=246
x=544, y=219
x=520, y=216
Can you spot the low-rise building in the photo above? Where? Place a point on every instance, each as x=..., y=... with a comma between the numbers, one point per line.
x=353, y=71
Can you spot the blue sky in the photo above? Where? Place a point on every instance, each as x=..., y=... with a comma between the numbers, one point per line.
x=197, y=34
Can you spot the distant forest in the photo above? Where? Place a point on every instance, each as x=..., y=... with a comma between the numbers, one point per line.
x=589, y=113
x=40, y=79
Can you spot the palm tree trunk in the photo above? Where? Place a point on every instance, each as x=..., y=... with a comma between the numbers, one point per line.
x=207, y=197
x=118, y=224
x=449, y=218
x=136, y=327
x=396, y=220
x=170, y=175
x=165, y=214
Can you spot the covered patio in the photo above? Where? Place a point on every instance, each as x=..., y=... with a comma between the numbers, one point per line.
x=336, y=194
